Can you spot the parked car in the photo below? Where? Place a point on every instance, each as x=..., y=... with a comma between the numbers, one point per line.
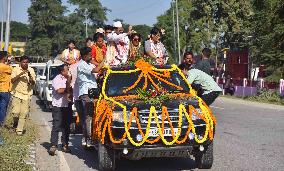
x=38, y=68
x=159, y=101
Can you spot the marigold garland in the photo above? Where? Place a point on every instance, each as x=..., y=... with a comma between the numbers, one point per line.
x=146, y=71
x=105, y=106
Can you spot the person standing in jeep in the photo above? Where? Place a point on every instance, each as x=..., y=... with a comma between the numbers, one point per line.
x=86, y=80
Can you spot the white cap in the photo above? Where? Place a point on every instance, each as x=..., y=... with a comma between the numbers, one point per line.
x=117, y=24
x=100, y=30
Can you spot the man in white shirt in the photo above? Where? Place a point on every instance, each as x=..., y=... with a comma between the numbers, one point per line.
x=121, y=42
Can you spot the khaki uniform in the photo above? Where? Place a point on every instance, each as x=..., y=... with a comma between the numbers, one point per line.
x=22, y=91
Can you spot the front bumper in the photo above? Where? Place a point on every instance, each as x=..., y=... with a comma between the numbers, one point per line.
x=158, y=149
x=126, y=150
x=176, y=151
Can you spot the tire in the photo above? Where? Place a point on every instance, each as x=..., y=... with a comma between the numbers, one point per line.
x=204, y=160
x=106, y=158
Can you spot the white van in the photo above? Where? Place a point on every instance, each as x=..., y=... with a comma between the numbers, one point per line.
x=38, y=68
x=49, y=73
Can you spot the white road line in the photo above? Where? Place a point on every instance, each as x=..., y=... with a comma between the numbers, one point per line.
x=63, y=163
x=217, y=107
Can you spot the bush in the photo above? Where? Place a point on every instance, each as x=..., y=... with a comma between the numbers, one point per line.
x=270, y=96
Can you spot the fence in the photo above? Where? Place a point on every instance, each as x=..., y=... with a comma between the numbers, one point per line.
x=244, y=87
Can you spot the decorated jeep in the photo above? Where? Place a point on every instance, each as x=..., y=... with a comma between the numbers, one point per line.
x=150, y=111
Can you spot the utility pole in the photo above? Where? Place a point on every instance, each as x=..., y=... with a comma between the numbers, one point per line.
x=2, y=25
x=178, y=42
x=86, y=21
x=7, y=32
x=174, y=25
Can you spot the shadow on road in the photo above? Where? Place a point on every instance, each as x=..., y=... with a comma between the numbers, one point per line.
x=162, y=164
x=89, y=156
x=42, y=106
x=46, y=145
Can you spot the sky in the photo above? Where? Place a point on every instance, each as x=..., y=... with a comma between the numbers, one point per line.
x=131, y=11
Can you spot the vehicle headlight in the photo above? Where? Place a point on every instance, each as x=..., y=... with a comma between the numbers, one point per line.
x=118, y=116
x=194, y=114
x=50, y=86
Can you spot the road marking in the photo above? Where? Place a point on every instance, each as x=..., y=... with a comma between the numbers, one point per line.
x=217, y=107
x=63, y=163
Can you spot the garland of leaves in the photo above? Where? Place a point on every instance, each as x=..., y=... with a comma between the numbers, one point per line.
x=153, y=97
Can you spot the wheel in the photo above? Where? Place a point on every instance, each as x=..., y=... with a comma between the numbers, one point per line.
x=106, y=158
x=204, y=160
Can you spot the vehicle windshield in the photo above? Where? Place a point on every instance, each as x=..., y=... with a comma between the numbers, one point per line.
x=39, y=71
x=53, y=71
x=116, y=83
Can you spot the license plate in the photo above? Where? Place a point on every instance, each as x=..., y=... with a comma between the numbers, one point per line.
x=167, y=132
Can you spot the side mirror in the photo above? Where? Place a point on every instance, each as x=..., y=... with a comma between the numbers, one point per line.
x=94, y=93
x=42, y=77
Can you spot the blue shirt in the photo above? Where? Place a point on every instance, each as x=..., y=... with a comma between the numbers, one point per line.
x=85, y=78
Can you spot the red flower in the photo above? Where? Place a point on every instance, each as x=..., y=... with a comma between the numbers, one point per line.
x=154, y=93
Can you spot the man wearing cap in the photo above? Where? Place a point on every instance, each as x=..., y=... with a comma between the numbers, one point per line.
x=100, y=30
x=121, y=42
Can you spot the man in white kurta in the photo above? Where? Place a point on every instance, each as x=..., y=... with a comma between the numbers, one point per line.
x=121, y=44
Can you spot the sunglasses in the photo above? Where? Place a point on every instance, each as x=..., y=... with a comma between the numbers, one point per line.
x=136, y=39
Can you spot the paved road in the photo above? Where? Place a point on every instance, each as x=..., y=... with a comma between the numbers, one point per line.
x=249, y=136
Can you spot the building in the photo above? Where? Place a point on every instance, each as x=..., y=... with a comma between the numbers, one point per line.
x=16, y=47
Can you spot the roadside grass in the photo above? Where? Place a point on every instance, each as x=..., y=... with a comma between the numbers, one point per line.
x=270, y=97
x=14, y=152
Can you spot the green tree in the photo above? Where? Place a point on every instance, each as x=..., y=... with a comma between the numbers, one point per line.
x=46, y=21
x=96, y=12
x=204, y=24
x=232, y=19
x=268, y=36
x=20, y=32
x=144, y=30
x=73, y=29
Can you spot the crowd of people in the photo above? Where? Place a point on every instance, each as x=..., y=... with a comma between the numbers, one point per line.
x=114, y=47
x=109, y=46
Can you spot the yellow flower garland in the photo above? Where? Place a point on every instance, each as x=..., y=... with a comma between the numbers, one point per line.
x=104, y=121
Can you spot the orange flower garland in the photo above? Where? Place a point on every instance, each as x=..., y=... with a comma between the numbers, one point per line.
x=105, y=124
x=146, y=71
x=105, y=106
